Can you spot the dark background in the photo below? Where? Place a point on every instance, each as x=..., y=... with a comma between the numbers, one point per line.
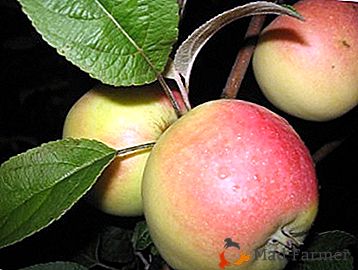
x=38, y=87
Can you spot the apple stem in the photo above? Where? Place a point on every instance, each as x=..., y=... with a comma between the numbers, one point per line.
x=136, y=148
x=326, y=149
x=243, y=58
x=184, y=92
x=179, y=112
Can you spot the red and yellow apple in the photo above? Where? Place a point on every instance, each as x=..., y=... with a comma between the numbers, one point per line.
x=309, y=68
x=121, y=118
x=229, y=169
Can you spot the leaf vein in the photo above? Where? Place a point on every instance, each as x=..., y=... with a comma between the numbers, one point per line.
x=132, y=41
x=66, y=175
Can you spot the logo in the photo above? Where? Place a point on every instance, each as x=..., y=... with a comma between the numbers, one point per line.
x=274, y=253
x=241, y=257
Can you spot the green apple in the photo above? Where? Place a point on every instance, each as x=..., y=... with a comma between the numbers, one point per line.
x=229, y=170
x=120, y=118
x=309, y=68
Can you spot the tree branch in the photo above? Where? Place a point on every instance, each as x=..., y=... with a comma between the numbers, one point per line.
x=243, y=58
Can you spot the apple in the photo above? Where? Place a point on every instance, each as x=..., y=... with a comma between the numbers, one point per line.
x=229, y=171
x=309, y=68
x=120, y=118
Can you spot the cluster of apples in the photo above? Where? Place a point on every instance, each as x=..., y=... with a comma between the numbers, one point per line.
x=228, y=168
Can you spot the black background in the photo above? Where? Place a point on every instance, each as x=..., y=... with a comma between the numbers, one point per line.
x=38, y=87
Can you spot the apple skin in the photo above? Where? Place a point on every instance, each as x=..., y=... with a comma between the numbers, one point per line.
x=120, y=118
x=309, y=68
x=228, y=168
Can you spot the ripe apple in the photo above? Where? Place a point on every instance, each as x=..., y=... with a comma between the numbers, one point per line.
x=121, y=118
x=229, y=170
x=309, y=68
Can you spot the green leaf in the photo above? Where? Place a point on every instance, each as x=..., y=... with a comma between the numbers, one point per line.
x=154, y=251
x=345, y=263
x=141, y=238
x=88, y=254
x=332, y=241
x=111, y=244
x=328, y=251
x=37, y=187
x=116, y=245
x=292, y=8
x=56, y=266
x=118, y=42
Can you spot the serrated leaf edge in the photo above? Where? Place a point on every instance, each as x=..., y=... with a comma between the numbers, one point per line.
x=125, y=82
x=67, y=175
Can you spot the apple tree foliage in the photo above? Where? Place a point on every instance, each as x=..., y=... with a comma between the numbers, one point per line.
x=120, y=43
x=117, y=42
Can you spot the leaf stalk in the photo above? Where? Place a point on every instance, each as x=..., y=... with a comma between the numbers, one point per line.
x=136, y=148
